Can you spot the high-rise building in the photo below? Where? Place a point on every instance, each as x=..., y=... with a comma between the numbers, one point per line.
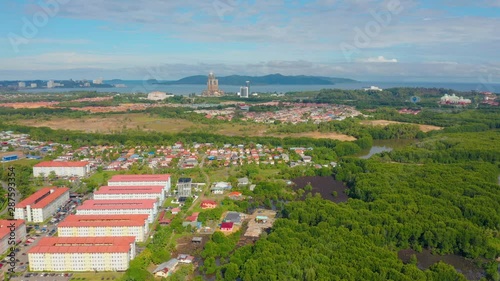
x=212, y=87
x=98, y=81
x=34, y=85
x=21, y=85
x=244, y=92
x=50, y=84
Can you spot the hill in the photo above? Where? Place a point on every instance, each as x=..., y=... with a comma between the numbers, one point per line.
x=272, y=79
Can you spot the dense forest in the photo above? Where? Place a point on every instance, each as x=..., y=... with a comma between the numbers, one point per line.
x=393, y=205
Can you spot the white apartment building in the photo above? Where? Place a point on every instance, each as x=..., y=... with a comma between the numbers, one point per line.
x=120, y=207
x=82, y=254
x=11, y=230
x=141, y=180
x=130, y=192
x=105, y=225
x=41, y=204
x=62, y=168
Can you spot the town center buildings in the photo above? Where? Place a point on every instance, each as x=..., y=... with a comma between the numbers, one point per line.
x=105, y=225
x=82, y=254
x=130, y=192
x=11, y=230
x=142, y=180
x=62, y=168
x=119, y=207
x=41, y=204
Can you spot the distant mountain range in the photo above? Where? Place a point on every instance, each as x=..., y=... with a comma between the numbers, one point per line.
x=272, y=79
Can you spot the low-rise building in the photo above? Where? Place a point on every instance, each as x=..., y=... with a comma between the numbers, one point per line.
x=119, y=207
x=184, y=187
x=166, y=269
x=233, y=217
x=220, y=187
x=105, y=225
x=62, y=168
x=41, y=204
x=227, y=226
x=208, y=204
x=11, y=230
x=130, y=192
x=82, y=254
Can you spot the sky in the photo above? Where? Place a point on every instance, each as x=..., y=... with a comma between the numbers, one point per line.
x=366, y=40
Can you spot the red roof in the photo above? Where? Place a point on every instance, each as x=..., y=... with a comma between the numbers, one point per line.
x=193, y=217
x=103, y=220
x=56, y=245
x=4, y=227
x=235, y=193
x=117, y=204
x=226, y=225
x=62, y=164
x=208, y=203
x=129, y=189
x=136, y=178
x=42, y=197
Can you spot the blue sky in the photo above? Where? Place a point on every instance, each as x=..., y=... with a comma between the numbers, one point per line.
x=391, y=40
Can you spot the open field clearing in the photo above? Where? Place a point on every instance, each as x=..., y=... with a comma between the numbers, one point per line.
x=112, y=123
x=318, y=135
x=423, y=128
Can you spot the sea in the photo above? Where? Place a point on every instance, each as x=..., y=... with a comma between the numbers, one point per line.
x=138, y=86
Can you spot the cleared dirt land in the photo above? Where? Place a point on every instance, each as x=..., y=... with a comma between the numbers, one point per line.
x=319, y=135
x=113, y=123
x=423, y=128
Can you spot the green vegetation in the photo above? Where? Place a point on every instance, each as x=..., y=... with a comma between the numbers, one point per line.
x=449, y=208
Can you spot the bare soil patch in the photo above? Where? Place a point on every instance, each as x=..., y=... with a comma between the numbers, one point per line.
x=423, y=128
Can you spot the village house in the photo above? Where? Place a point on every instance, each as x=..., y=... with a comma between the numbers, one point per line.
x=208, y=204
x=227, y=226
x=166, y=269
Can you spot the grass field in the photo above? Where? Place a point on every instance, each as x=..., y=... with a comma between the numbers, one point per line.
x=423, y=128
x=113, y=123
x=91, y=276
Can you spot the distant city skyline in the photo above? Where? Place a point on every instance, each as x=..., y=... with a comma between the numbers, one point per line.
x=392, y=40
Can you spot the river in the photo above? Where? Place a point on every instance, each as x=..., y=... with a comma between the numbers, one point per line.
x=384, y=146
x=426, y=259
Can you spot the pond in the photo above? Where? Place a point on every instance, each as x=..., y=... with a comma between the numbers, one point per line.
x=324, y=186
x=383, y=146
x=426, y=259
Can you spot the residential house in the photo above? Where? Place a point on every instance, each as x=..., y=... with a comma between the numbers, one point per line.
x=227, y=226
x=166, y=269
x=182, y=258
x=192, y=220
x=235, y=195
x=233, y=217
x=243, y=182
x=208, y=204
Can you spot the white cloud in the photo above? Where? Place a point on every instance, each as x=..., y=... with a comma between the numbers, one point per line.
x=381, y=59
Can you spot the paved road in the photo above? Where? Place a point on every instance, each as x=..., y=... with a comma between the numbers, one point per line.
x=207, y=181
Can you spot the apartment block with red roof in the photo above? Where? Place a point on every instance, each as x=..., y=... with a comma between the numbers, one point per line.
x=120, y=207
x=11, y=230
x=42, y=204
x=82, y=254
x=142, y=180
x=105, y=225
x=130, y=192
x=62, y=168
